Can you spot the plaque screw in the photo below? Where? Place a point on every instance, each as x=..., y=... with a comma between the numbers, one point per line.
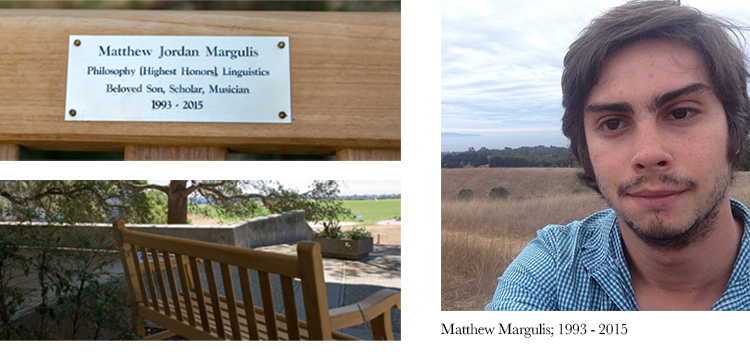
x=77, y=42
x=282, y=44
x=282, y=115
x=72, y=113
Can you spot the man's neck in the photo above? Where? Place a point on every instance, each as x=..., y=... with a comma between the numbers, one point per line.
x=691, y=278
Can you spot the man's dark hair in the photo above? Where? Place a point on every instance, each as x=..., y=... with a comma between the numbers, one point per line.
x=716, y=40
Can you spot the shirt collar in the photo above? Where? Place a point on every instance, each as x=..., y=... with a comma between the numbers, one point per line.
x=603, y=257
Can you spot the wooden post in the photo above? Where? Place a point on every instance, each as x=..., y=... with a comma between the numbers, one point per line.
x=368, y=154
x=10, y=152
x=145, y=152
x=314, y=291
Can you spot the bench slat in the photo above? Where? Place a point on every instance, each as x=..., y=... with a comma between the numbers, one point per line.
x=198, y=287
x=247, y=297
x=185, y=283
x=160, y=280
x=150, y=279
x=267, y=295
x=290, y=307
x=172, y=283
x=226, y=277
x=214, y=294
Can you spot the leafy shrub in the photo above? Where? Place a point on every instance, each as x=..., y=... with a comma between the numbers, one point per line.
x=357, y=233
x=498, y=193
x=75, y=285
x=328, y=231
x=465, y=195
x=11, y=296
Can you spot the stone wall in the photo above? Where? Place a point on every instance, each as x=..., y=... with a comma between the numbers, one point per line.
x=274, y=229
x=256, y=232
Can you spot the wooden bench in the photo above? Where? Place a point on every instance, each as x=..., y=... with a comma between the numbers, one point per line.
x=164, y=277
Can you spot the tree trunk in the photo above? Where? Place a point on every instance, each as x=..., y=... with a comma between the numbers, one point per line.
x=178, y=202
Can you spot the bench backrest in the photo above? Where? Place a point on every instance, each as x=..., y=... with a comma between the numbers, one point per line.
x=162, y=254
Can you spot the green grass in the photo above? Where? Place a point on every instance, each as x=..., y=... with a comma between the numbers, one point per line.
x=211, y=211
x=370, y=210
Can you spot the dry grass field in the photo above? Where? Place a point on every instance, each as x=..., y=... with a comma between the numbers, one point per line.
x=520, y=182
x=481, y=237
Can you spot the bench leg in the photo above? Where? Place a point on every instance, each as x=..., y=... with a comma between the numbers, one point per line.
x=381, y=327
x=139, y=328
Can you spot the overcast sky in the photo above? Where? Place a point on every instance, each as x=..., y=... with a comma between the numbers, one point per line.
x=502, y=62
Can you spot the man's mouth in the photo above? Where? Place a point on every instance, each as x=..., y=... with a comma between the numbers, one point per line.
x=656, y=187
x=656, y=197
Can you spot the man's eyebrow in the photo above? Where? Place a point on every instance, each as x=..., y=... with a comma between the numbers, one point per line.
x=665, y=98
x=621, y=107
x=658, y=101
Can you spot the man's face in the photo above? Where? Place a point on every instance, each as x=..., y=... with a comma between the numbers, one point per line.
x=657, y=137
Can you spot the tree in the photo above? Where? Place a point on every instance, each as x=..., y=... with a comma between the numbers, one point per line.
x=80, y=200
x=134, y=200
x=238, y=197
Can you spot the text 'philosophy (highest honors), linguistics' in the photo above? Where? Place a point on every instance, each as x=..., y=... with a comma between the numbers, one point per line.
x=183, y=71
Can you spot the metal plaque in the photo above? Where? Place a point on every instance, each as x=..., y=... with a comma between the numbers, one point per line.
x=178, y=79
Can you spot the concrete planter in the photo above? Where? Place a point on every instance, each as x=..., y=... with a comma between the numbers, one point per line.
x=344, y=248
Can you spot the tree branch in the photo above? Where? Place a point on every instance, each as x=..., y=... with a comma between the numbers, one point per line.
x=164, y=189
x=203, y=185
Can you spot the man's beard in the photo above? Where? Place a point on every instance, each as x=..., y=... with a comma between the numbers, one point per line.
x=657, y=234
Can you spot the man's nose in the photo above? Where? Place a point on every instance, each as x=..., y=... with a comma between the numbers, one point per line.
x=651, y=148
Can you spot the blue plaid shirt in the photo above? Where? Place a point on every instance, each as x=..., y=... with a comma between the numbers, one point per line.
x=581, y=267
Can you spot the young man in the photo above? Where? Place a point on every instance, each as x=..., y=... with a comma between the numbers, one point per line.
x=657, y=112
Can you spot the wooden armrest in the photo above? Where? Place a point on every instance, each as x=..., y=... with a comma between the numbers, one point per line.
x=373, y=306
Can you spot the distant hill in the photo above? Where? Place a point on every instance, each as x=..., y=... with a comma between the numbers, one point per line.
x=539, y=156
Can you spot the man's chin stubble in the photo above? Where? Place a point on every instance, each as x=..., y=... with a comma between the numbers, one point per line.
x=658, y=236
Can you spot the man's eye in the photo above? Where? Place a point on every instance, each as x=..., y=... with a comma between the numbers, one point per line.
x=612, y=124
x=681, y=113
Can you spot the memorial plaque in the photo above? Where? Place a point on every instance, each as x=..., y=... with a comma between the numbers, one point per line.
x=178, y=79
